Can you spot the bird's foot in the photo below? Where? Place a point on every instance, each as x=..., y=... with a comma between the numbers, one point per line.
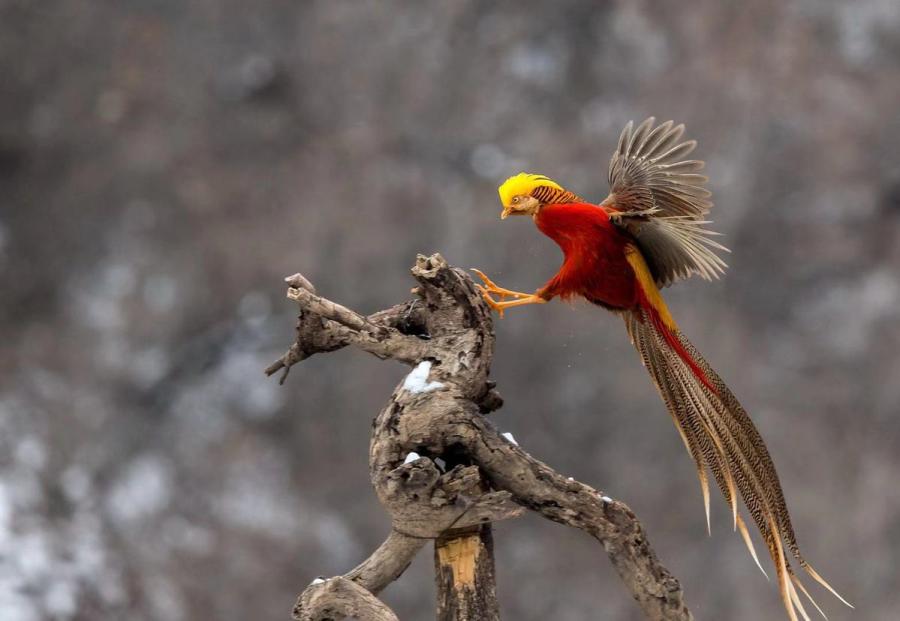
x=489, y=289
x=495, y=304
x=503, y=305
x=492, y=287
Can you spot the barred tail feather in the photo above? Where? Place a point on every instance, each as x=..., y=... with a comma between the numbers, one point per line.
x=720, y=436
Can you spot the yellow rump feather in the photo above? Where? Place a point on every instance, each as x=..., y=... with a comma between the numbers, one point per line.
x=651, y=291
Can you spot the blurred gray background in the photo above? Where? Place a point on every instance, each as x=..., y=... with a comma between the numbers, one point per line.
x=164, y=164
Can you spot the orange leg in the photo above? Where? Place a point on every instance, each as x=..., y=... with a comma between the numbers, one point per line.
x=491, y=286
x=502, y=304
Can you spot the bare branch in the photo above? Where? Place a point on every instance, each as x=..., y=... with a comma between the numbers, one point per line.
x=558, y=498
x=330, y=310
x=386, y=563
x=338, y=598
x=324, y=326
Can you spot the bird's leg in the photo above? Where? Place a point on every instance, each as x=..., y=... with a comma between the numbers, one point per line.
x=502, y=304
x=491, y=286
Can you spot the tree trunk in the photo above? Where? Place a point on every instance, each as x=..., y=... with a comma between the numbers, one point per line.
x=464, y=572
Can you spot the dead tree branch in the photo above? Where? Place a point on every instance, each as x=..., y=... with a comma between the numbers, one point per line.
x=338, y=598
x=467, y=474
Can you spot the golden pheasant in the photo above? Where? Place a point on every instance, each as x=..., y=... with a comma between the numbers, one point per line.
x=648, y=233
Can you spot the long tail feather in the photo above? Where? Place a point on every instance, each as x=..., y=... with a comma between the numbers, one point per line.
x=745, y=534
x=815, y=575
x=776, y=550
x=719, y=435
x=795, y=599
x=800, y=586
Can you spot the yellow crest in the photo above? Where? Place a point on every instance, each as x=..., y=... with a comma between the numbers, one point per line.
x=524, y=184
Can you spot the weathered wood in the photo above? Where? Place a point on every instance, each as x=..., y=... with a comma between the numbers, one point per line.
x=464, y=576
x=338, y=598
x=386, y=563
x=467, y=474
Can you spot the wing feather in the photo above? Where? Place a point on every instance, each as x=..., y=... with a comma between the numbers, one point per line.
x=659, y=198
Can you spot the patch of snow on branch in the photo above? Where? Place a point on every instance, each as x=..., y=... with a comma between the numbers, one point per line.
x=510, y=437
x=417, y=381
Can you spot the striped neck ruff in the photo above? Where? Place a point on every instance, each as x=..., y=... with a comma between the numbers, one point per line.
x=548, y=194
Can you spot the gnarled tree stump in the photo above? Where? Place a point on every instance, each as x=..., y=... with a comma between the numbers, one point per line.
x=442, y=470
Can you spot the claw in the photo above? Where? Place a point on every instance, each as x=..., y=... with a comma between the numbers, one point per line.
x=487, y=281
x=490, y=301
x=491, y=286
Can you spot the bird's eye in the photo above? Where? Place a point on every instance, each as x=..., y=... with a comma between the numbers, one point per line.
x=515, y=199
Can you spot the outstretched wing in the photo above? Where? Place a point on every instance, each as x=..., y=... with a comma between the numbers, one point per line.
x=659, y=198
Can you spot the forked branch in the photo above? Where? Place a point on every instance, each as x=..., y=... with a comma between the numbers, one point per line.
x=467, y=473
